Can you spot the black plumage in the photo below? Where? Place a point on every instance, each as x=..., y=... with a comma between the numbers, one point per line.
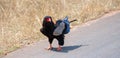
x=47, y=29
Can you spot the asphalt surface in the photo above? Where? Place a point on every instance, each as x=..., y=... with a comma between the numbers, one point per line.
x=97, y=39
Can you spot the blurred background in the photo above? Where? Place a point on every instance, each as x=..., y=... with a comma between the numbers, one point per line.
x=20, y=20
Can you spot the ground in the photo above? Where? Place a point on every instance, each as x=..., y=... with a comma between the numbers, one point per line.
x=96, y=39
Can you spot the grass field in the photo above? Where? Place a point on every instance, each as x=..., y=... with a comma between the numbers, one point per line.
x=20, y=20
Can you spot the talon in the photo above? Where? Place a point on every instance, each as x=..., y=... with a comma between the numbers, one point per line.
x=49, y=48
x=59, y=49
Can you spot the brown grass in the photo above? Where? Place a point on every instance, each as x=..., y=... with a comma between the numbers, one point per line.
x=20, y=20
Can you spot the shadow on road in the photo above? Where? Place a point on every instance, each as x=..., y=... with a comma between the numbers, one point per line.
x=66, y=49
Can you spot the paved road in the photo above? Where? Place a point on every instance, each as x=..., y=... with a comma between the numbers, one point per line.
x=100, y=39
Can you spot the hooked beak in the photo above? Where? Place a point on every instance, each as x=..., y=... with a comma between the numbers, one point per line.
x=48, y=20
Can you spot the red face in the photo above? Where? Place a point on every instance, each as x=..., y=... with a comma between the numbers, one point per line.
x=48, y=19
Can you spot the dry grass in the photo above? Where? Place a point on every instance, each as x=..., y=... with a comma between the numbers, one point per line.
x=20, y=20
